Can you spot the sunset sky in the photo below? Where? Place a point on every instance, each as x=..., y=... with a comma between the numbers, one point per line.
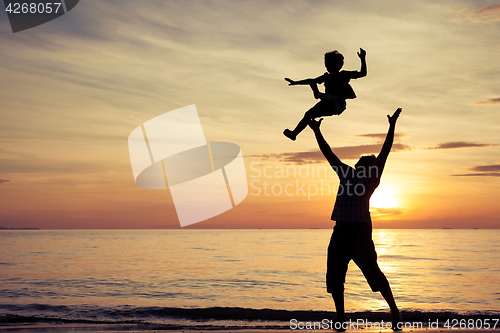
x=73, y=89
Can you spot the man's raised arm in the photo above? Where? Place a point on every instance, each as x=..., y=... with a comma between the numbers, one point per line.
x=323, y=145
x=389, y=139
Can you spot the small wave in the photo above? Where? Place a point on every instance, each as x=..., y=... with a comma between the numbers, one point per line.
x=218, y=317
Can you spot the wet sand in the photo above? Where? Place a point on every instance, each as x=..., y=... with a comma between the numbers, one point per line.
x=151, y=328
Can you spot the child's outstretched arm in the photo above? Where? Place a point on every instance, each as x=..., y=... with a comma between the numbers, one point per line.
x=362, y=72
x=313, y=83
x=305, y=81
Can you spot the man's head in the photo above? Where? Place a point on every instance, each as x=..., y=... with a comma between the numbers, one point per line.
x=334, y=61
x=365, y=162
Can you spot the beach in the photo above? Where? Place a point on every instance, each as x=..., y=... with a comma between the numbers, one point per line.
x=181, y=165
x=221, y=280
x=135, y=329
x=226, y=320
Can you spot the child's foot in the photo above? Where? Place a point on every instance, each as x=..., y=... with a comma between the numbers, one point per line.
x=397, y=322
x=289, y=134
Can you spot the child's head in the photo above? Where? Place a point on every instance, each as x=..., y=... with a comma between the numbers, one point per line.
x=334, y=61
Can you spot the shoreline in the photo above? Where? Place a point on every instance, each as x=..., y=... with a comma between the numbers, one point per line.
x=241, y=320
x=12, y=314
x=118, y=328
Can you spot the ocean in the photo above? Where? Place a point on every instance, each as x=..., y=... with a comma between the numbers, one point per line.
x=235, y=278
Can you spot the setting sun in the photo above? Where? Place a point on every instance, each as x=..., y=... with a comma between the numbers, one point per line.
x=383, y=197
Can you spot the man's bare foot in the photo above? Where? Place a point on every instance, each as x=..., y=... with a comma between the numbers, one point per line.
x=339, y=324
x=397, y=322
x=289, y=134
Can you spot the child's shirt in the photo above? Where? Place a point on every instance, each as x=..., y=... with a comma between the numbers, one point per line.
x=338, y=84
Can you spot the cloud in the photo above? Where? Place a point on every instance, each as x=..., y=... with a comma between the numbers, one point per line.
x=489, y=101
x=355, y=152
x=381, y=136
x=483, y=14
x=348, y=152
x=484, y=174
x=460, y=144
x=486, y=168
x=3, y=181
x=492, y=170
x=54, y=166
x=388, y=211
x=312, y=156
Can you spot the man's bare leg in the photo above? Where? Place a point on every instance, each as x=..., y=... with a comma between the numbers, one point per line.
x=338, y=299
x=396, y=315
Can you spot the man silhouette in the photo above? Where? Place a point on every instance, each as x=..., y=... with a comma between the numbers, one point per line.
x=352, y=234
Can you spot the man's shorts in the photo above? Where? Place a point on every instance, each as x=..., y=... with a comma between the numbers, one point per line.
x=323, y=108
x=353, y=240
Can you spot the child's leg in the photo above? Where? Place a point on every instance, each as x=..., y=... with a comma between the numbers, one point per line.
x=300, y=126
x=320, y=109
x=303, y=122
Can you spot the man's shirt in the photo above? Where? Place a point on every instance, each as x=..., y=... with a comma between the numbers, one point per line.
x=353, y=196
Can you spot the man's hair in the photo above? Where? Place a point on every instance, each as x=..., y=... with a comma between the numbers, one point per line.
x=371, y=157
x=334, y=55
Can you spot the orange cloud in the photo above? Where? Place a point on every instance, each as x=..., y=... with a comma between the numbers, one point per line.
x=492, y=170
x=3, y=181
x=461, y=144
x=355, y=152
x=485, y=174
x=487, y=168
x=387, y=211
x=348, y=152
x=381, y=136
x=489, y=101
x=483, y=14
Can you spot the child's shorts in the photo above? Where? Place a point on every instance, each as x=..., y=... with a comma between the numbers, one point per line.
x=323, y=108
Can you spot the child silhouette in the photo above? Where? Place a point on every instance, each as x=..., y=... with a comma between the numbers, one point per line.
x=337, y=89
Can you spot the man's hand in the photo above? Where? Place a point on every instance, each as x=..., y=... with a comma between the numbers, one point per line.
x=315, y=124
x=323, y=145
x=290, y=82
x=362, y=54
x=392, y=119
x=389, y=139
